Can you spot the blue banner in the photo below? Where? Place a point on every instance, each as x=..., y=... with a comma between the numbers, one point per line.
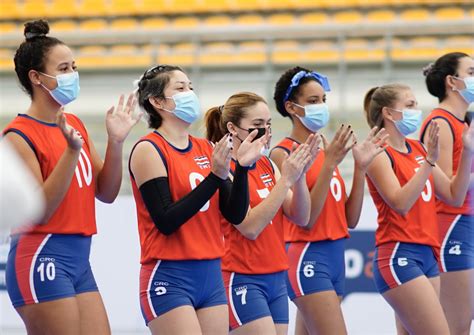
x=360, y=248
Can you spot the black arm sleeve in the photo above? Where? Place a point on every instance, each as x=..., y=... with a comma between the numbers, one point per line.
x=234, y=196
x=167, y=215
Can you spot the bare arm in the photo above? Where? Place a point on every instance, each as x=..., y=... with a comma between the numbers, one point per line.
x=363, y=153
x=119, y=122
x=57, y=184
x=334, y=154
x=355, y=199
x=108, y=172
x=445, y=160
x=299, y=190
x=453, y=190
x=402, y=198
x=262, y=214
x=297, y=203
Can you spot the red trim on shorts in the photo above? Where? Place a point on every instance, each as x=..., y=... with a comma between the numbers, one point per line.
x=445, y=222
x=25, y=252
x=233, y=323
x=146, y=272
x=384, y=259
x=295, y=252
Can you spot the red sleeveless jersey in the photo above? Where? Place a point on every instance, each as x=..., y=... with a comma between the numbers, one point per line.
x=266, y=254
x=457, y=127
x=76, y=212
x=420, y=224
x=331, y=223
x=201, y=236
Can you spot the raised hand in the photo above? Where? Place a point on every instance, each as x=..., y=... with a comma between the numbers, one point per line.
x=343, y=141
x=365, y=151
x=294, y=165
x=250, y=151
x=432, y=145
x=73, y=137
x=313, y=142
x=119, y=121
x=221, y=157
x=468, y=138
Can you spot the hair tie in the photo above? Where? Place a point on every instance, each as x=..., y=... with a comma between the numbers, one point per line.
x=428, y=69
x=30, y=35
x=221, y=109
x=295, y=81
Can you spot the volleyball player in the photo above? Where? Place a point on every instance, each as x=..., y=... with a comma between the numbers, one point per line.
x=316, y=274
x=181, y=189
x=254, y=263
x=48, y=274
x=403, y=183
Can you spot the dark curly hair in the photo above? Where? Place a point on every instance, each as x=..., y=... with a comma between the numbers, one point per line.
x=32, y=53
x=153, y=84
x=282, y=85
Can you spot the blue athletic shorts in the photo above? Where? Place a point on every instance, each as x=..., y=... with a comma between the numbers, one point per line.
x=253, y=297
x=396, y=263
x=315, y=267
x=457, y=242
x=45, y=267
x=165, y=285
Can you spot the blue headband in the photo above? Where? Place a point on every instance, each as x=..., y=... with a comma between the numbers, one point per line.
x=295, y=81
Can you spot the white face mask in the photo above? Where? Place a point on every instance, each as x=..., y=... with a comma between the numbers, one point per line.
x=316, y=116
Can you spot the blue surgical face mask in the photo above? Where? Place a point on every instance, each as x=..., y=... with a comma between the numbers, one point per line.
x=468, y=92
x=410, y=122
x=187, y=107
x=316, y=116
x=67, y=89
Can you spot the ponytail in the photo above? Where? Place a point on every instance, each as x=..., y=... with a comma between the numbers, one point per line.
x=214, y=126
x=371, y=119
x=233, y=110
x=379, y=97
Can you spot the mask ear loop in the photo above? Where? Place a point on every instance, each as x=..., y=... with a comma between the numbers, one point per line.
x=47, y=75
x=454, y=88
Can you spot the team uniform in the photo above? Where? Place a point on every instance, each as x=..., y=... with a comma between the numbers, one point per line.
x=183, y=268
x=254, y=271
x=316, y=256
x=50, y=260
x=405, y=244
x=456, y=224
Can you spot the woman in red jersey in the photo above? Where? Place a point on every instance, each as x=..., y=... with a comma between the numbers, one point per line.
x=49, y=277
x=316, y=273
x=175, y=178
x=254, y=263
x=451, y=80
x=403, y=183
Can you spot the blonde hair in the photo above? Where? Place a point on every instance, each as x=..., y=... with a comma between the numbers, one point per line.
x=377, y=98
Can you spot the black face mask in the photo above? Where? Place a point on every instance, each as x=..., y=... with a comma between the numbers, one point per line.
x=260, y=132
